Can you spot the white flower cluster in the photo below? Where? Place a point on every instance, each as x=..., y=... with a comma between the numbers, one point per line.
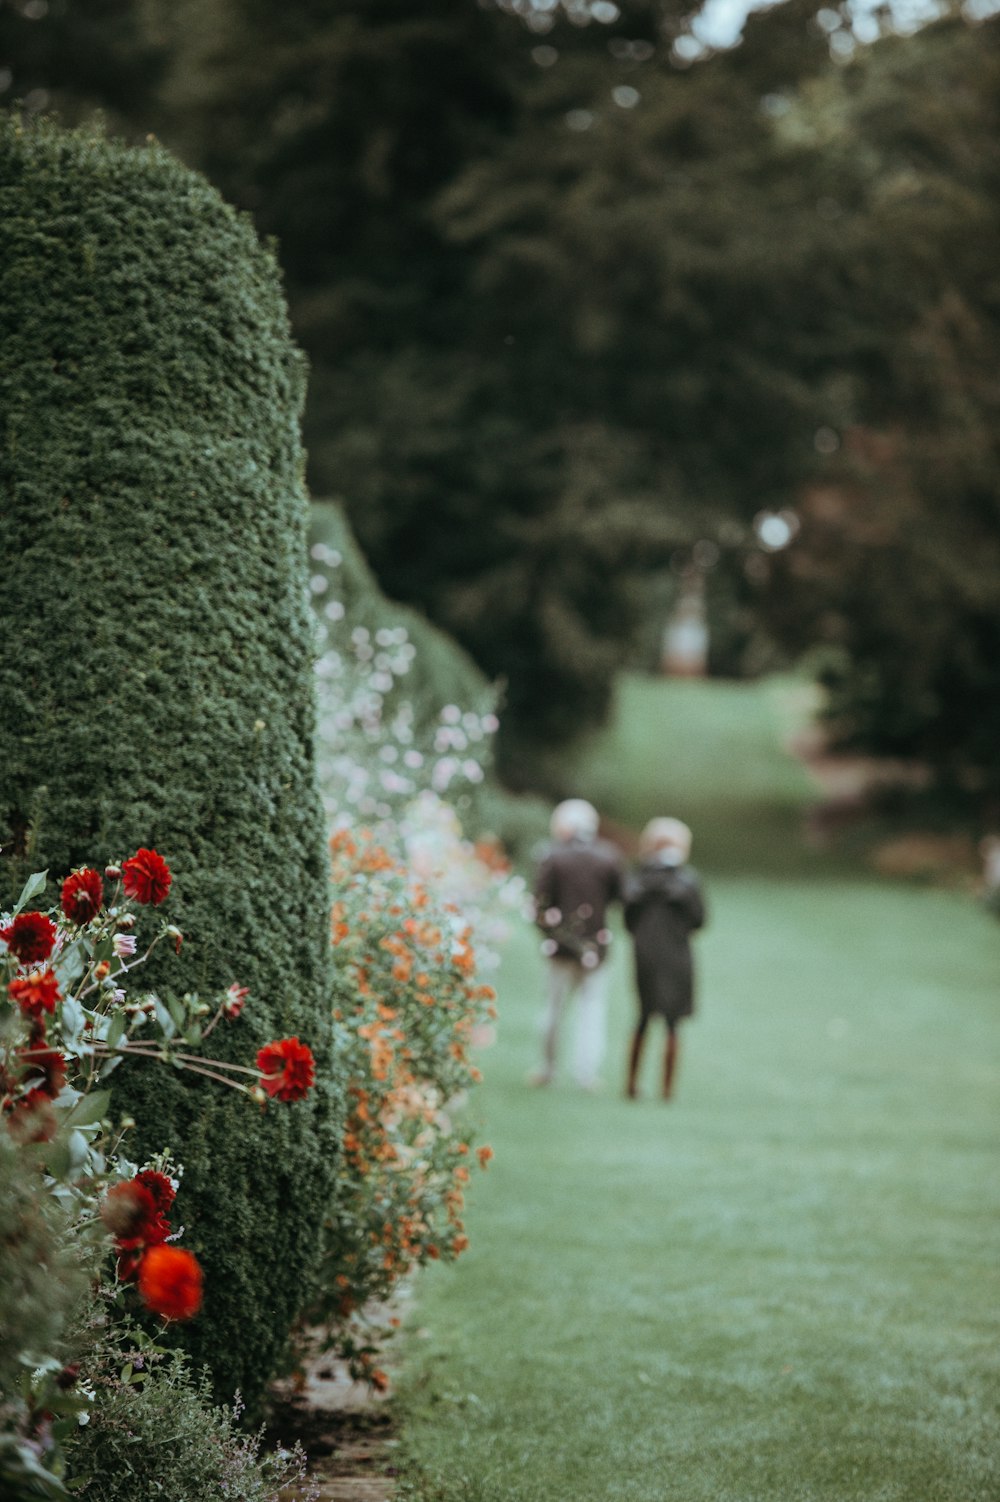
x=375, y=752
x=385, y=764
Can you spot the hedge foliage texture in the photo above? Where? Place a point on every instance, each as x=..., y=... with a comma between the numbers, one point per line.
x=156, y=671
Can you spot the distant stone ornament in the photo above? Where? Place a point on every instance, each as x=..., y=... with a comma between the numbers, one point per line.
x=685, y=639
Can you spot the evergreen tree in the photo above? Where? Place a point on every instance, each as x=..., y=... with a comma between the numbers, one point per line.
x=156, y=674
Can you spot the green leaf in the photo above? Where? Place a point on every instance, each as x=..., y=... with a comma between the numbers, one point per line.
x=57, y=1158
x=178, y=1011
x=32, y=887
x=92, y=1107
x=108, y=1066
x=164, y=1018
x=116, y=1030
x=79, y=1150
x=72, y=1022
x=72, y=962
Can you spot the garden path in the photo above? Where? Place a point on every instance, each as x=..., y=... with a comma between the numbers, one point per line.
x=345, y=1428
x=778, y=1287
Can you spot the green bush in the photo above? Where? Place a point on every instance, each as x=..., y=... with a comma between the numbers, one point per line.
x=156, y=676
x=155, y=1434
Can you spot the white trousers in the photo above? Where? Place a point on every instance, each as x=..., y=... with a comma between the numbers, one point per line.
x=568, y=978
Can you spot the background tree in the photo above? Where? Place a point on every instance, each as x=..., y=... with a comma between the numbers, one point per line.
x=897, y=568
x=578, y=292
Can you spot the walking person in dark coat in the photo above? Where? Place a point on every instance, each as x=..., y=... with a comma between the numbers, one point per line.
x=663, y=907
x=579, y=877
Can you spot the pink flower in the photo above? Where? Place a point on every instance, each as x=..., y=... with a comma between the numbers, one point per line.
x=235, y=1001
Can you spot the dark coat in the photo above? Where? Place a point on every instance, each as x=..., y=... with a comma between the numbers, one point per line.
x=577, y=881
x=663, y=907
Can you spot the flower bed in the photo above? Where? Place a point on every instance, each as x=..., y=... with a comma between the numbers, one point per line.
x=68, y=1017
x=413, y=1009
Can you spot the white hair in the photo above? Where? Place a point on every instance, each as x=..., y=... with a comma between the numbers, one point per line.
x=574, y=819
x=665, y=834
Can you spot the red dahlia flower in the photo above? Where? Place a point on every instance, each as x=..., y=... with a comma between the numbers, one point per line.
x=288, y=1069
x=32, y=1119
x=134, y=1217
x=34, y=993
x=50, y=1064
x=30, y=937
x=159, y=1187
x=170, y=1282
x=82, y=895
x=146, y=877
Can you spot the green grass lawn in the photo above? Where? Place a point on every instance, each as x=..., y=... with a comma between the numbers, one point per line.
x=783, y=1285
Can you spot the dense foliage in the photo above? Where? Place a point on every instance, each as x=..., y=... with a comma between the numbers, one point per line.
x=139, y=1398
x=388, y=684
x=579, y=292
x=595, y=293
x=156, y=675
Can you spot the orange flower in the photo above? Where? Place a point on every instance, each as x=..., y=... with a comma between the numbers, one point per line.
x=35, y=993
x=170, y=1282
x=459, y=1244
x=485, y=1155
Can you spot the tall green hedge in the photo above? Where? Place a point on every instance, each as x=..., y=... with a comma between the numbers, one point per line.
x=155, y=675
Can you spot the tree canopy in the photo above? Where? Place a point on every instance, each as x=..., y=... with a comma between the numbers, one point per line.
x=577, y=293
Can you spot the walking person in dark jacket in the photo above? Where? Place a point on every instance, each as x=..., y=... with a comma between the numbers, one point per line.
x=663, y=907
x=578, y=879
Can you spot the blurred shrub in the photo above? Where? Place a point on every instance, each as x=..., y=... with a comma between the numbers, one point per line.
x=156, y=677
x=154, y=1432
x=41, y=1282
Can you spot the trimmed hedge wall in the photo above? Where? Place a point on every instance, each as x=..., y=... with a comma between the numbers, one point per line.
x=156, y=672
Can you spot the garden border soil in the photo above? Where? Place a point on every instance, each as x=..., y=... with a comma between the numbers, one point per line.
x=346, y=1428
